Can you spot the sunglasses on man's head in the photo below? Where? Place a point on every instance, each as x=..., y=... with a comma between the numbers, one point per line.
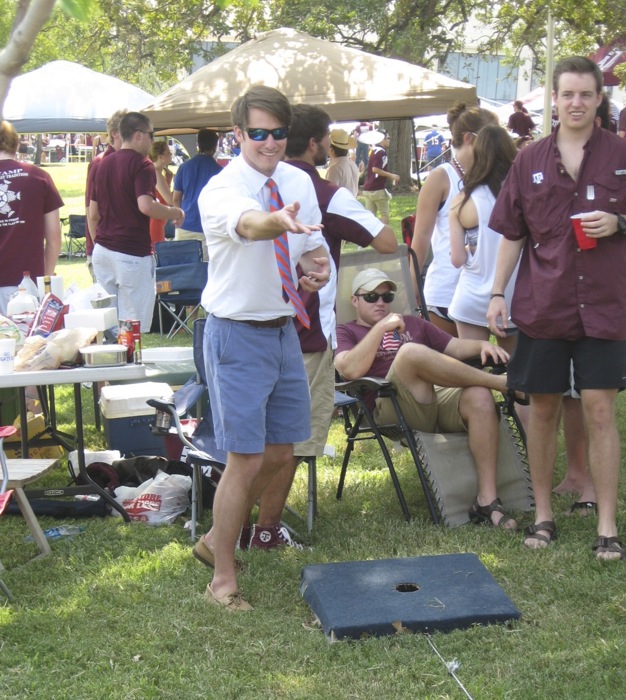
x=262, y=134
x=373, y=297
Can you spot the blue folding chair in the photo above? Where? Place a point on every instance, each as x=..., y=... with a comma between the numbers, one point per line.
x=181, y=276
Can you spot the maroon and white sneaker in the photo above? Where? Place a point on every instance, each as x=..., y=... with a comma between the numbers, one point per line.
x=272, y=537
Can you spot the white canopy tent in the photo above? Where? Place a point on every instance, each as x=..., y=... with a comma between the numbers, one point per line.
x=349, y=84
x=64, y=97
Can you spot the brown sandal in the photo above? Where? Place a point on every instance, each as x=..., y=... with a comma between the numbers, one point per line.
x=532, y=533
x=481, y=515
x=606, y=545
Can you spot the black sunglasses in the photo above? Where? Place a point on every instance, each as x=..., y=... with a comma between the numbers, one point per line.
x=261, y=134
x=372, y=297
x=150, y=133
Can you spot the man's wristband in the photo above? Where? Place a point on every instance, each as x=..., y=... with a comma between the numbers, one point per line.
x=492, y=296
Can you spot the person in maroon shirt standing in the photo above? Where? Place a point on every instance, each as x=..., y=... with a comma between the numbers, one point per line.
x=520, y=122
x=122, y=204
x=30, y=228
x=569, y=303
x=375, y=190
x=115, y=143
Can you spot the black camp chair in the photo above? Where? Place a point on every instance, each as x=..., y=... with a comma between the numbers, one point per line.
x=76, y=236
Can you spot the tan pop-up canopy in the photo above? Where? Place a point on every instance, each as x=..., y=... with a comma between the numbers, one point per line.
x=349, y=84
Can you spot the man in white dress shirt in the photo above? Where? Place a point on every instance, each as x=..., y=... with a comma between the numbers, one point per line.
x=257, y=383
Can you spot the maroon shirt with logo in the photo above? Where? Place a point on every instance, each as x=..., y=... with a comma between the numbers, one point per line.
x=27, y=194
x=562, y=292
x=416, y=330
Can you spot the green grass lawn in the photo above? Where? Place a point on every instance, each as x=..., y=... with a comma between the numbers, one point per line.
x=118, y=613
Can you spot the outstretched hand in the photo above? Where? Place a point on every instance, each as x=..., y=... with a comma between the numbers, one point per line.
x=287, y=218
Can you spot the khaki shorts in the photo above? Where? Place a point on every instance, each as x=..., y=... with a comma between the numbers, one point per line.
x=321, y=373
x=442, y=415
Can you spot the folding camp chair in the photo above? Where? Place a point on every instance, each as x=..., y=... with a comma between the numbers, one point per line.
x=76, y=235
x=444, y=465
x=181, y=276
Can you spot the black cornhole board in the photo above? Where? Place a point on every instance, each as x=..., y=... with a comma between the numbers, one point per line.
x=360, y=598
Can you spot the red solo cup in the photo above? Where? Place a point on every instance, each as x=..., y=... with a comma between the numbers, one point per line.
x=584, y=242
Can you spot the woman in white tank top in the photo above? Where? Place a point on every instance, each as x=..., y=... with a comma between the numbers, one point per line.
x=473, y=245
x=431, y=216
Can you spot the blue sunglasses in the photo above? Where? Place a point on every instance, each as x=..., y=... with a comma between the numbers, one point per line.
x=261, y=134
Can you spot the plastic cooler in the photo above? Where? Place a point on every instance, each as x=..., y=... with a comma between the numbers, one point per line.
x=127, y=418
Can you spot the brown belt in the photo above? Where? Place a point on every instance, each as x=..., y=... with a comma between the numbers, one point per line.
x=271, y=323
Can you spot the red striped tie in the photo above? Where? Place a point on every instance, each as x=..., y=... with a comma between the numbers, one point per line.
x=281, y=249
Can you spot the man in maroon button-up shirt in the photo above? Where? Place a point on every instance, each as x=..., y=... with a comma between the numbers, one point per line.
x=569, y=304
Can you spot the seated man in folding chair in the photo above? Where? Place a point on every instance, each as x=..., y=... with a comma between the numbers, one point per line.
x=436, y=390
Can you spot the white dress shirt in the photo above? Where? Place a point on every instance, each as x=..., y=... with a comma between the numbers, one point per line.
x=243, y=281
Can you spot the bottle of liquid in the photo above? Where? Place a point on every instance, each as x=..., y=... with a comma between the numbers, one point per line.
x=55, y=533
x=22, y=303
x=47, y=285
x=28, y=284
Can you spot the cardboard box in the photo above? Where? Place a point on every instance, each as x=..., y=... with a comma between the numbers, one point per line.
x=39, y=447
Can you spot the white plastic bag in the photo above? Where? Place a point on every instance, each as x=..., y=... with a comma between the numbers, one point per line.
x=156, y=501
x=49, y=353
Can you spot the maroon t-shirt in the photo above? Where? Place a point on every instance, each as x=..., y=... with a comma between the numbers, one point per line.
x=521, y=123
x=119, y=180
x=27, y=194
x=91, y=172
x=416, y=330
x=378, y=159
x=562, y=292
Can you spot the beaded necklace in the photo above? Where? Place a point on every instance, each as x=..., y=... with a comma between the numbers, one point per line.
x=458, y=166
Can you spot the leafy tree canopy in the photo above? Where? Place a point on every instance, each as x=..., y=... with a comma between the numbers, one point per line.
x=151, y=43
x=581, y=26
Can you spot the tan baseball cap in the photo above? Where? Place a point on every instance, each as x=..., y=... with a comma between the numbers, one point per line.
x=369, y=279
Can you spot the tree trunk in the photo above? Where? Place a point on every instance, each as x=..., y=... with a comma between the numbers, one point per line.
x=32, y=15
x=400, y=152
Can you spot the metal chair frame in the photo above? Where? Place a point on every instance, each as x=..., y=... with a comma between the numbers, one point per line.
x=76, y=235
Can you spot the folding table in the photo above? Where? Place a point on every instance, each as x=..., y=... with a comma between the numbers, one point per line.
x=75, y=376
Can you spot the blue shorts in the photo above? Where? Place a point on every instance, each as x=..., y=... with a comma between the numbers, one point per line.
x=258, y=386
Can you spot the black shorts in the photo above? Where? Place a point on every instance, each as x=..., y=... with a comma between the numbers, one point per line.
x=542, y=366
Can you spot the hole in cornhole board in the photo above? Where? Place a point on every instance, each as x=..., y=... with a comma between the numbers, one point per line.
x=358, y=599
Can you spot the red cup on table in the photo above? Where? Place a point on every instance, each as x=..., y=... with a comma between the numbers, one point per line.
x=583, y=240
